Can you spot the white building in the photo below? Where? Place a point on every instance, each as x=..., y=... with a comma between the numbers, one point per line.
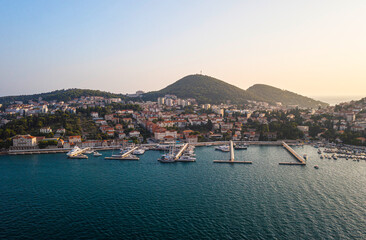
x=94, y=114
x=350, y=117
x=24, y=141
x=161, y=101
x=134, y=134
x=160, y=135
x=169, y=102
x=45, y=130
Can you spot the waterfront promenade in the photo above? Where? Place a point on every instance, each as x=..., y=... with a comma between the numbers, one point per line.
x=114, y=147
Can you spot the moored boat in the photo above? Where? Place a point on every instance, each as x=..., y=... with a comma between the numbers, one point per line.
x=241, y=146
x=223, y=148
x=97, y=154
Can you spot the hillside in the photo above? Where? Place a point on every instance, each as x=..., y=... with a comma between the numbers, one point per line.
x=204, y=89
x=60, y=95
x=271, y=94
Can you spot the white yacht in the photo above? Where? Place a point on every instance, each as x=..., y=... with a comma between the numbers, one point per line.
x=97, y=154
x=167, y=158
x=223, y=148
x=139, y=151
x=241, y=146
x=187, y=158
x=75, y=151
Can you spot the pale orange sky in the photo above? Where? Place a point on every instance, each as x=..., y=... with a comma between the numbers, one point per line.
x=314, y=48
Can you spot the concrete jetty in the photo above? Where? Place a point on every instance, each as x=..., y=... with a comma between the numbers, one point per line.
x=294, y=154
x=124, y=156
x=180, y=152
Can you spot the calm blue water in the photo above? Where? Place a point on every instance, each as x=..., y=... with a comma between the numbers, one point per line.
x=52, y=197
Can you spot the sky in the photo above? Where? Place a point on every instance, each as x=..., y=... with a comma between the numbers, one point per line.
x=314, y=48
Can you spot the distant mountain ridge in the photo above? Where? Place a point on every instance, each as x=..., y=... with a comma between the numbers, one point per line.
x=61, y=95
x=272, y=95
x=206, y=89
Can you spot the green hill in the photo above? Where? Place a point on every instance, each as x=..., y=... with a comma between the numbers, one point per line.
x=271, y=94
x=204, y=89
x=61, y=95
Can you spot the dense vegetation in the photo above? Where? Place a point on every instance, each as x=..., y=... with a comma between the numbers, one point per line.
x=272, y=95
x=109, y=109
x=61, y=95
x=206, y=89
x=32, y=124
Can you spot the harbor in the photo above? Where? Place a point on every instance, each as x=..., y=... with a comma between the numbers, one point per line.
x=184, y=152
x=110, y=185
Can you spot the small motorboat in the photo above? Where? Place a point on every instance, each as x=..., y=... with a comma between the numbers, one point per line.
x=223, y=148
x=97, y=154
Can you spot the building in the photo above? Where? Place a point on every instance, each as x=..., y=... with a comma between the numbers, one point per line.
x=94, y=115
x=350, y=117
x=134, y=134
x=21, y=142
x=74, y=139
x=161, y=134
x=191, y=139
x=169, y=102
x=121, y=135
x=61, y=130
x=45, y=130
x=304, y=129
x=161, y=101
x=226, y=127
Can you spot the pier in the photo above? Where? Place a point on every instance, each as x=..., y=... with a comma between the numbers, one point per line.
x=293, y=153
x=177, y=157
x=180, y=152
x=125, y=156
x=78, y=153
x=232, y=157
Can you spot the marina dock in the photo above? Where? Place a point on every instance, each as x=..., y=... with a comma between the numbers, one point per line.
x=232, y=157
x=294, y=154
x=78, y=153
x=124, y=156
x=180, y=152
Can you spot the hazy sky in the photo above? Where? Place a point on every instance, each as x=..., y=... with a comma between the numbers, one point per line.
x=310, y=47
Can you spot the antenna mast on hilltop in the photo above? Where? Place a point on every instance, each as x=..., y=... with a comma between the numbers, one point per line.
x=201, y=72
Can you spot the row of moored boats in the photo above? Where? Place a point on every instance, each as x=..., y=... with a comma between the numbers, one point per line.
x=334, y=153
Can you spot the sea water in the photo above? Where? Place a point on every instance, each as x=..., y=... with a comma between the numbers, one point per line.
x=52, y=197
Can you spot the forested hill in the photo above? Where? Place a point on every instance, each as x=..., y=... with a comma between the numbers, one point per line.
x=271, y=94
x=61, y=95
x=204, y=89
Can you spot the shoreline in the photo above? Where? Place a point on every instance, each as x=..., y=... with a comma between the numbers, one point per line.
x=199, y=144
